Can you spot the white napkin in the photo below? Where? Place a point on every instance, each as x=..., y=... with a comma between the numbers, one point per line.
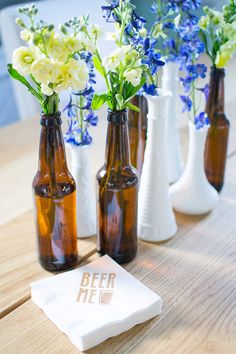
x=95, y=302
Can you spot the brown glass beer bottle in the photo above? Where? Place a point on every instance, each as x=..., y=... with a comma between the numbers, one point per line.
x=117, y=194
x=55, y=200
x=218, y=133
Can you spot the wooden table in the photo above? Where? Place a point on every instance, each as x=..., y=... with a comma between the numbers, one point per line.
x=195, y=272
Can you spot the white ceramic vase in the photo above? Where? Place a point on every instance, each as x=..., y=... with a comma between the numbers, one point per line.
x=156, y=220
x=193, y=194
x=170, y=80
x=85, y=195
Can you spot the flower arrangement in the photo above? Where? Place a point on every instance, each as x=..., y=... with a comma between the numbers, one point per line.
x=122, y=69
x=130, y=31
x=194, y=70
x=218, y=31
x=79, y=112
x=48, y=63
x=172, y=19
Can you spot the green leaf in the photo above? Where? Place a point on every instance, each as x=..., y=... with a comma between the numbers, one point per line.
x=98, y=65
x=17, y=76
x=98, y=100
x=132, y=90
x=133, y=107
x=120, y=101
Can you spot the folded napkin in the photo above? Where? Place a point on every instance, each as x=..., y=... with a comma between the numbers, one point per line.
x=95, y=302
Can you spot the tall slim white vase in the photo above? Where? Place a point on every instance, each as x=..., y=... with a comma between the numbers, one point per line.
x=156, y=220
x=193, y=194
x=170, y=80
x=85, y=194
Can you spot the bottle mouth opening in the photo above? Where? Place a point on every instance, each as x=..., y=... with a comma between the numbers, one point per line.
x=220, y=71
x=117, y=116
x=50, y=120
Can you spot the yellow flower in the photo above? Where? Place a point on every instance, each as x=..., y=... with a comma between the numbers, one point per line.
x=22, y=60
x=222, y=59
x=44, y=70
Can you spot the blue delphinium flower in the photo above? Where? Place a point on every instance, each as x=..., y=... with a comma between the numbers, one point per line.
x=137, y=36
x=175, y=20
x=205, y=90
x=201, y=120
x=194, y=72
x=108, y=13
x=187, y=103
x=79, y=112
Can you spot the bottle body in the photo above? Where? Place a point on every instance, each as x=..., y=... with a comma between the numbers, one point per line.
x=117, y=183
x=192, y=193
x=156, y=220
x=174, y=160
x=137, y=122
x=55, y=201
x=218, y=133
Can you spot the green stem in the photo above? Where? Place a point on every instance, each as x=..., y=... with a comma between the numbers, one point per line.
x=103, y=69
x=150, y=77
x=193, y=99
x=122, y=24
x=51, y=105
x=81, y=118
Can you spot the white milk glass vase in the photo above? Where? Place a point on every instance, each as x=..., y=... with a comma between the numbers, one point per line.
x=85, y=194
x=170, y=80
x=156, y=220
x=193, y=194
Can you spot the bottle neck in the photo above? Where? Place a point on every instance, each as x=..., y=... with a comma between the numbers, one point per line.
x=117, y=147
x=52, y=158
x=215, y=102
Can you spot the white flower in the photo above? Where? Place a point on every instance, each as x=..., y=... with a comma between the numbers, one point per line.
x=158, y=32
x=26, y=35
x=79, y=72
x=73, y=74
x=44, y=70
x=86, y=43
x=46, y=90
x=96, y=31
x=113, y=60
x=133, y=76
x=177, y=20
x=56, y=47
x=112, y=36
x=72, y=44
x=143, y=32
x=22, y=60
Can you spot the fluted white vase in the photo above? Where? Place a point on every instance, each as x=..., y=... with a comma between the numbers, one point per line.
x=156, y=220
x=193, y=194
x=85, y=194
x=170, y=80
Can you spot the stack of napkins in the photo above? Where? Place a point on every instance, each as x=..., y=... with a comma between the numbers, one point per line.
x=95, y=302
